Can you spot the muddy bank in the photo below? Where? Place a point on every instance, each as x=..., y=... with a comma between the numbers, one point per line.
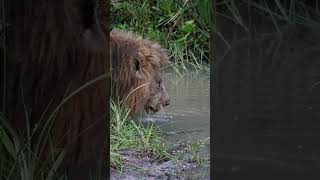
x=143, y=167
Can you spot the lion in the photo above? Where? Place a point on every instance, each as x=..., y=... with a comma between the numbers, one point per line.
x=136, y=78
x=56, y=84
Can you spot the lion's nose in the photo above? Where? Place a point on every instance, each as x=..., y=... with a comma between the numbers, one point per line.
x=167, y=102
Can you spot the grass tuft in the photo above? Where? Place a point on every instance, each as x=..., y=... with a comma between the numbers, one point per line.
x=127, y=134
x=19, y=161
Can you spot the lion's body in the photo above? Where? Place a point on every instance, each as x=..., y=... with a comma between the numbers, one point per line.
x=54, y=48
x=135, y=71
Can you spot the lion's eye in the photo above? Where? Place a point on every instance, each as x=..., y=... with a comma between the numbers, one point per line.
x=159, y=83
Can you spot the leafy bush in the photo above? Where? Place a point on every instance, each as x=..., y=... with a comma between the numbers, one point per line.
x=180, y=26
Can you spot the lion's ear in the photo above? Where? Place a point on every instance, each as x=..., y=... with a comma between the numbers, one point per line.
x=136, y=65
x=137, y=68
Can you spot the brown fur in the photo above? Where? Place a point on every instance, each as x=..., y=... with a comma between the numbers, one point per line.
x=136, y=71
x=54, y=47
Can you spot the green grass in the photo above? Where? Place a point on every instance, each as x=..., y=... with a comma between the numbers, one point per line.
x=127, y=134
x=19, y=157
x=20, y=161
x=180, y=26
x=194, y=148
x=280, y=13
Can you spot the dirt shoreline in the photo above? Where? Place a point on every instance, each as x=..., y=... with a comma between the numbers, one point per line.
x=142, y=167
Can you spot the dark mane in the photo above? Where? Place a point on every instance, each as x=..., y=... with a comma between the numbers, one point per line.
x=128, y=83
x=54, y=48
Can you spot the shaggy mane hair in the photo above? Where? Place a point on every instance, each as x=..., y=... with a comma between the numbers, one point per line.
x=55, y=47
x=135, y=62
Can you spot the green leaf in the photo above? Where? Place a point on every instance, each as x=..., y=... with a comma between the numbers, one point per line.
x=188, y=26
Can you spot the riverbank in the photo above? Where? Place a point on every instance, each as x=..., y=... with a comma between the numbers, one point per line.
x=143, y=167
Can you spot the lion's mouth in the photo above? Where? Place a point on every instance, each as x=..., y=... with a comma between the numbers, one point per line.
x=151, y=109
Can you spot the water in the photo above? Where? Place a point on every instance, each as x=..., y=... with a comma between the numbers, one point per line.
x=187, y=118
x=189, y=105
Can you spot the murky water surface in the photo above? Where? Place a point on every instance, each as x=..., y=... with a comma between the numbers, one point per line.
x=187, y=118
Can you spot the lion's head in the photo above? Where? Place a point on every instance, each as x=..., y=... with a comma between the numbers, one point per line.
x=136, y=78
